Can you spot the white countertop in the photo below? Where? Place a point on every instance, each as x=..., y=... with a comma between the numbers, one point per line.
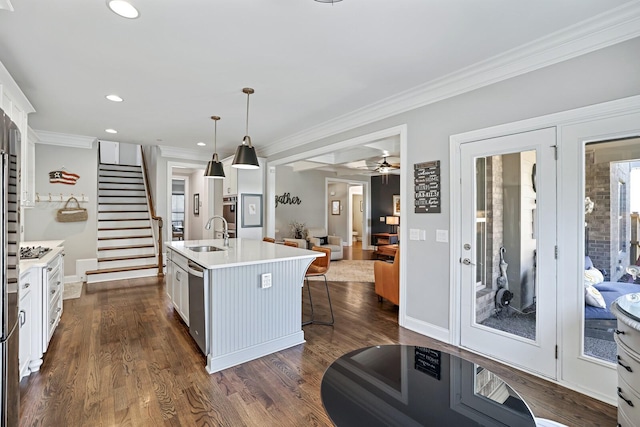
x=26, y=264
x=43, y=243
x=240, y=252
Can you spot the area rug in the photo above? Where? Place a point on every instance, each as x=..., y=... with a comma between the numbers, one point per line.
x=349, y=271
x=72, y=290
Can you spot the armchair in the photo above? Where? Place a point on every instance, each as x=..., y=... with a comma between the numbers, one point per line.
x=387, y=279
x=319, y=237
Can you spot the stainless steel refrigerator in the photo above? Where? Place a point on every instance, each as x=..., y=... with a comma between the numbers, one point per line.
x=9, y=251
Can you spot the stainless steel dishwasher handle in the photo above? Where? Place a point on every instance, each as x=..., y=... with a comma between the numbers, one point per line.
x=195, y=269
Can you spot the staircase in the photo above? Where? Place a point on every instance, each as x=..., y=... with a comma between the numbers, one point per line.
x=125, y=239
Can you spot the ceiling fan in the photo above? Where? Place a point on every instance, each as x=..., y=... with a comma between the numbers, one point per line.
x=385, y=167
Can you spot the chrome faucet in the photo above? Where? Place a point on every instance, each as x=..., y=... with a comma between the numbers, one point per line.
x=225, y=228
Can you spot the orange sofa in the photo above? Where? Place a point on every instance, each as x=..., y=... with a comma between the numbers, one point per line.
x=387, y=279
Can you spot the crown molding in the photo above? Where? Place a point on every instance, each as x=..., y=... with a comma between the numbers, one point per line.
x=183, y=153
x=607, y=29
x=32, y=136
x=13, y=91
x=64, y=139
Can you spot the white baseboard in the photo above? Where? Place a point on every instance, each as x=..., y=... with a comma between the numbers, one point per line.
x=437, y=332
x=84, y=265
x=72, y=279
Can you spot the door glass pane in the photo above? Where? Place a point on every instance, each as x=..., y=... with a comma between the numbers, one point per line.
x=612, y=200
x=505, y=252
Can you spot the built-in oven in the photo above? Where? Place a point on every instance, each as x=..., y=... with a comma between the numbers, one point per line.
x=229, y=211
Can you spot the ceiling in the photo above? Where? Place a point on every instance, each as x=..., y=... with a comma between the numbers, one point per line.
x=181, y=62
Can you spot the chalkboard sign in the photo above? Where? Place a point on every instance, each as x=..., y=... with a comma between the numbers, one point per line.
x=428, y=361
x=426, y=179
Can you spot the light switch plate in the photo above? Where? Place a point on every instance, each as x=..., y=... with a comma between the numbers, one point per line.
x=265, y=280
x=414, y=234
x=442, y=236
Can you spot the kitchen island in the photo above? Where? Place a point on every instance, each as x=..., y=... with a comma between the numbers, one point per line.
x=247, y=296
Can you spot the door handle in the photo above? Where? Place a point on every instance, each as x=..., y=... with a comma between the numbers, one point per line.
x=466, y=261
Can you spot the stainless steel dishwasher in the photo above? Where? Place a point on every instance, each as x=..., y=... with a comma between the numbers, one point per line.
x=198, y=292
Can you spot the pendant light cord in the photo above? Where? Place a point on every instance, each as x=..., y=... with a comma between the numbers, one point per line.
x=215, y=136
x=247, y=124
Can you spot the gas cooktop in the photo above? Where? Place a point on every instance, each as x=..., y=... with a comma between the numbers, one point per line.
x=33, y=252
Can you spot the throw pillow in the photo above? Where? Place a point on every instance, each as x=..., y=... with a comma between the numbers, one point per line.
x=593, y=297
x=593, y=276
x=323, y=240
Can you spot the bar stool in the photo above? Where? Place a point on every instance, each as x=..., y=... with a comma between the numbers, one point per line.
x=319, y=267
x=268, y=240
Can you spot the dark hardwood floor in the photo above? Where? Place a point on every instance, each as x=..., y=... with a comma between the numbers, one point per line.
x=122, y=357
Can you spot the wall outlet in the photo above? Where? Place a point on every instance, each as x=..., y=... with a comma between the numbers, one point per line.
x=265, y=280
x=414, y=234
x=442, y=236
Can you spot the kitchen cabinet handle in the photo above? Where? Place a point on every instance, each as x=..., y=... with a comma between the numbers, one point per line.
x=58, y=283
x=26, y=285
x=52, y=321
x=629, y=402
x=23, y=317
x=53, y=291
x=619, y=332
x=58, y=310
x=49, y=268
x=628, y=368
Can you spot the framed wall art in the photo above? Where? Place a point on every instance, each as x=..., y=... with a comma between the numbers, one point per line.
x=335, y=207
x=251, y=210
x=196, y=204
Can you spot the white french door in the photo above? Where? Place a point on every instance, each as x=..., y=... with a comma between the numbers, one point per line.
x=508, y=254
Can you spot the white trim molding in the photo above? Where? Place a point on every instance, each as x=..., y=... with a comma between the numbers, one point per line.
x=607, y=29
x=65, y=139
x=183, y=153
x=11, y=88
x=424, y=328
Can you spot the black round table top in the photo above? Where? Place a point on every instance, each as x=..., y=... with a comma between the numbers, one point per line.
x=401, y=385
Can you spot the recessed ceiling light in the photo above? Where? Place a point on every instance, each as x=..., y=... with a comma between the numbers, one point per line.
x=111, y=131
x=123, y=8
x=114, y=98
x=201, y=144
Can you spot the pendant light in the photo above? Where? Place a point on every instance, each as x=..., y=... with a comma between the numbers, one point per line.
x=246, y=157
x=214, y=167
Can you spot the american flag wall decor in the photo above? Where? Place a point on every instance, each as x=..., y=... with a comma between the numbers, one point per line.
x=63, y=177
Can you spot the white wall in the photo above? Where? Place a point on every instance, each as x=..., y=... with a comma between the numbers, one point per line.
x=605, y=75
x=309, y=187
x=40, y=222
x=197, y=222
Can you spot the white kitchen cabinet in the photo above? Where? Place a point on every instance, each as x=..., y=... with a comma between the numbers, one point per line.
x=41, y=287
x=27, y=284
x=230, y=181
x=53, y=285
x=179, y=288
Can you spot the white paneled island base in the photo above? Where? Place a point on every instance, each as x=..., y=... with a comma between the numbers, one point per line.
x=245, y=318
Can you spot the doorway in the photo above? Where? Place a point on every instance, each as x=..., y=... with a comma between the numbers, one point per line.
x=508, y=308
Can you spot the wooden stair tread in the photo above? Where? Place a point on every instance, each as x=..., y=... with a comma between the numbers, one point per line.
x=116, y=248
x=121, y=203
x=118, y=269
x=120, y=195
x=120, y=182
x=124, y=258
x=124, y=228
x=120, y=212
x=124, y=219
x=124, y=237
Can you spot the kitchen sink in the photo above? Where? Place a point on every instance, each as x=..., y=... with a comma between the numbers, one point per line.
x=204, y=248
